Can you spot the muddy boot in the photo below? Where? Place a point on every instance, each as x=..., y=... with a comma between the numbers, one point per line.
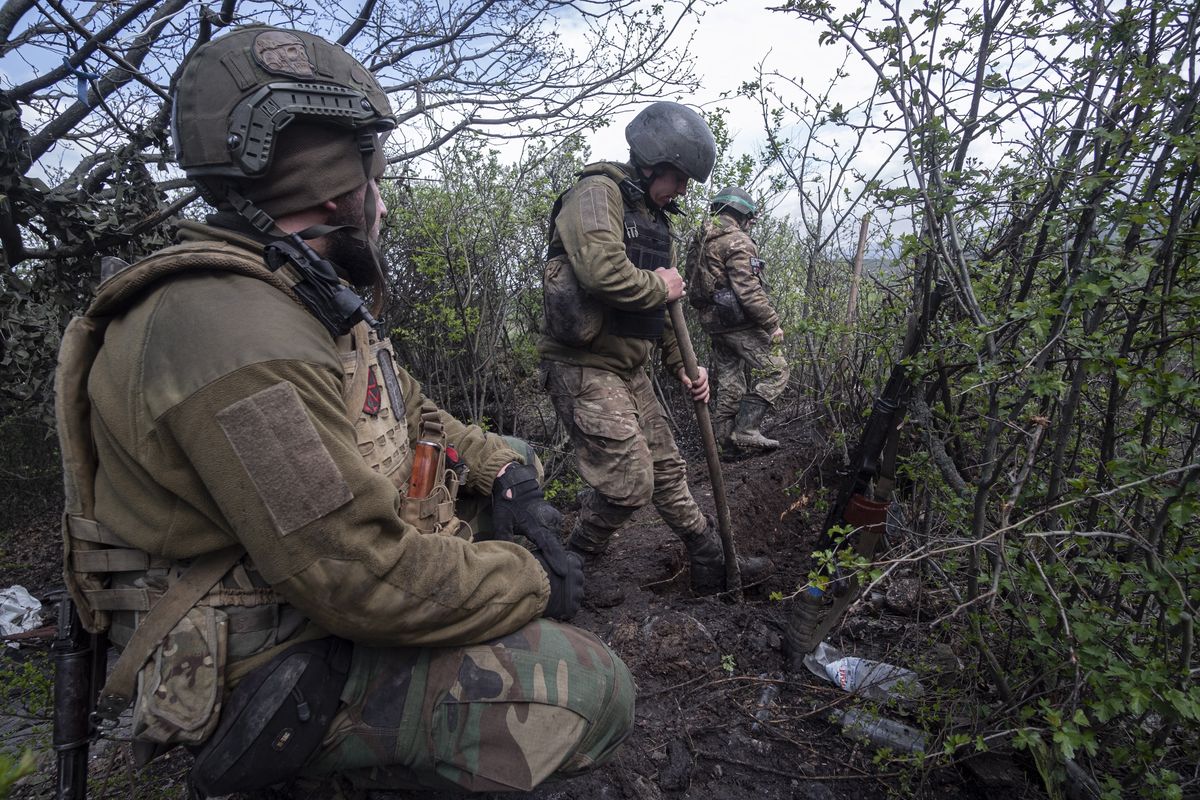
x=597, y=592
x=588, y=543
x=749, y=417
x=721, y=430
x=707, y=561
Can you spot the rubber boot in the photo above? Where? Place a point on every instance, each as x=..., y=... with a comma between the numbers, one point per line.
x=749, y=417
x=726, y=449
x=706, y=559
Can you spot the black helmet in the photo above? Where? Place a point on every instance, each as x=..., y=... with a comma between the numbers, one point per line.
x=239, y=92
x=735, y=198
x=669, y=133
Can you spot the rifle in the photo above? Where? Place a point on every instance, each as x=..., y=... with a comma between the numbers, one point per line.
x=80, y=662
x=857, y=505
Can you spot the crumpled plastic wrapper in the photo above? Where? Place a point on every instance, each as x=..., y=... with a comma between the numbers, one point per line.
x=19, y=611
x=876, y=680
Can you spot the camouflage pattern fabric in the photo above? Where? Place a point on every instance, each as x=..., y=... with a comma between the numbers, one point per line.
x=736, y=352
x=548, y=700
x=180, y=687
x=624, y=448
x=730, y=258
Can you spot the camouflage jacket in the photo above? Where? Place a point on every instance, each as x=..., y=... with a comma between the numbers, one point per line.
x=219, y=417
x=590, y=229
x=729, y=257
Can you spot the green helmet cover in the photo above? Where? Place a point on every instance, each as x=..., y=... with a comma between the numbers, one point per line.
x=238, y=92
x=735, y=198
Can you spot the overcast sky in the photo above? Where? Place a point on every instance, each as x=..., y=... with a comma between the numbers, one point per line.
x=730, y=41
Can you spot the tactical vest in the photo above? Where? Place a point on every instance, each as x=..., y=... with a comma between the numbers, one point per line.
x=647, y=238
x=375, y=404
x=216, y=609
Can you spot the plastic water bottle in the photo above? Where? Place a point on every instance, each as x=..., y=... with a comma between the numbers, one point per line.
x=880, y=731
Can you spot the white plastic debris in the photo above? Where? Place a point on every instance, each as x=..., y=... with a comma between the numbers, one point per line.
x=19, y=611
x=872, y=679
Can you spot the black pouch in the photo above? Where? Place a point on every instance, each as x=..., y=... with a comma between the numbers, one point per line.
x=729, y=308
x=274, y=720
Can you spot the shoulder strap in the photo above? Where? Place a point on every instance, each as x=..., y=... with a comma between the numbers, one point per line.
x=121, y=290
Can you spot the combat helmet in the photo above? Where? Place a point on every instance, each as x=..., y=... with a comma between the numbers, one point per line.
x=670, y=133
x=239, y=93
x=736, y=199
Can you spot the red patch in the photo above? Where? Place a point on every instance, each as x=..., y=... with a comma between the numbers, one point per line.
x=374, y=396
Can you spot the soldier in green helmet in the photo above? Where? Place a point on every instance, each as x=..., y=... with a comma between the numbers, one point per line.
x=729, y=292
x=242, y=516
x=610, y=271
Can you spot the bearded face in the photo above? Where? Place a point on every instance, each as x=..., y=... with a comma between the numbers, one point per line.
x=350, y=249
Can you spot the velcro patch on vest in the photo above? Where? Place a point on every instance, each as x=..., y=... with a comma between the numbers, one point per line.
x=593, y=209
x=374, y=399
x=757, y=265
x=281, y=451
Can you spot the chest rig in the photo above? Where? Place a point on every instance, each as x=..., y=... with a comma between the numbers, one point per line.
x=375, y=404
x=647, y=239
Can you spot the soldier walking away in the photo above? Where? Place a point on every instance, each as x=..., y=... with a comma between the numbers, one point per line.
x=728, y=290
x=291, y=595
x=610, y=271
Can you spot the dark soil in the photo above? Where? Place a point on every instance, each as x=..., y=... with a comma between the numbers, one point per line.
x=703, y=665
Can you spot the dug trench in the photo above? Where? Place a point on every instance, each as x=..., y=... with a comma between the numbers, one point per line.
x=707, y=726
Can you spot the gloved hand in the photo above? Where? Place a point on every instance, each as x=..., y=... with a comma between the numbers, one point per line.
x=518, y=507
x=566, y=586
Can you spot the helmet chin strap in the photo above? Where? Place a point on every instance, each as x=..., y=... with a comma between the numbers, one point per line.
x=313, y=278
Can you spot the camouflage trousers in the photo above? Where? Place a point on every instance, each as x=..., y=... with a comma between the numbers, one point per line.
x=734, y=353
x=624, y=449
x=547, y=701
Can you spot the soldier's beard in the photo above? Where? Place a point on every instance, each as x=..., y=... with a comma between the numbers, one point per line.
x=348, y=248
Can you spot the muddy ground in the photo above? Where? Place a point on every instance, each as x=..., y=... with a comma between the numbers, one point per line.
x=702, y=666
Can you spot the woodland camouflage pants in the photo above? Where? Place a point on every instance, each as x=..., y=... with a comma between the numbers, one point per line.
x=548, y=700
x=624, y=449
x=736, y=352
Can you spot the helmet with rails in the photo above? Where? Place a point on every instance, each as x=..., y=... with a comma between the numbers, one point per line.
x=670, y=133
x=246, y=99
x=736, y=199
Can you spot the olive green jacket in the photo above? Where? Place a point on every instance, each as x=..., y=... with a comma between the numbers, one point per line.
x=590, y=228
x=729, y=260
x=218, y=416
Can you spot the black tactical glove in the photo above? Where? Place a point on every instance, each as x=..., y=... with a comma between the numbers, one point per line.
x=526, y=512
x=566, y=586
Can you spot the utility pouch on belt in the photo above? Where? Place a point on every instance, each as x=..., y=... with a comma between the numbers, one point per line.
x=729, y=308
x=274, y=720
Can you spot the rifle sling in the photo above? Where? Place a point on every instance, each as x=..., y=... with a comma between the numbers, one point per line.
x=180, y=597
